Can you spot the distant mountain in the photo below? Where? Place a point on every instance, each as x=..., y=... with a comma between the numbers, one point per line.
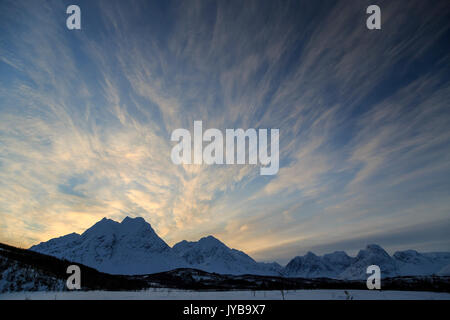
x=338, y=261
x=132, y=247
x=411, y=262
x=445, y=271
x=339, y=265
x=211, y=255
x=308, y=266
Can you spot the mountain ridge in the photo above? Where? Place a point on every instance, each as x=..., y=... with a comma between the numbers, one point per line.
x=132, y=247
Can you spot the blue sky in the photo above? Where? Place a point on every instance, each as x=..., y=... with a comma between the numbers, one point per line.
x=86, y=117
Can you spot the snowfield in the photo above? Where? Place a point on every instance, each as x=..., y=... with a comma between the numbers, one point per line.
x=170, y=294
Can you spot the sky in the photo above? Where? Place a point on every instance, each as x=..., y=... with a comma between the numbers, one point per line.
x=363, y=116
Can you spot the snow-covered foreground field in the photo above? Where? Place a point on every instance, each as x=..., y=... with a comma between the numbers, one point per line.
x=170, y=294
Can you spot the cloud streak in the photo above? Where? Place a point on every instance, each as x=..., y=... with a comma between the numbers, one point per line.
x=86, y=117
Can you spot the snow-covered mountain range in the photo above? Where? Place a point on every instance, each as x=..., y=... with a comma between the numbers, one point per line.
x=129, y=247
x=133, y=247
x=339, y=265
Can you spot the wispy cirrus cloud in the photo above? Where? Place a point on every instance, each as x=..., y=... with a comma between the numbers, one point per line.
x=86, y=119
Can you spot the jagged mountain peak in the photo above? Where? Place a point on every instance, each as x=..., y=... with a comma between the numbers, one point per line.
x=311, y=255
x=308, y=266
x=131, y=226
x=208, y=241
x=211, y=241
x=374, y=247
x=136, y=225
x=338, y=260
x=128, y=247
x=208, y=244
x=408, y=255
x=337, y=254
x=136, y=220
x=373, y=250
x=210, y=238
x=105, y=225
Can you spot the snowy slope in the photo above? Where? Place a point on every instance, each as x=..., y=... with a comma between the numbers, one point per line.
x=338, y=261
x=129, y=247
x=438, y=258
x=312, y=266
x=211, y=255
x=445, y=271
x=411, y=262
